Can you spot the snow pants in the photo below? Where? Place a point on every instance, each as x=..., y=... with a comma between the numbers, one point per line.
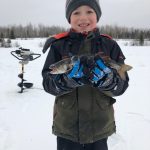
x=64, y=144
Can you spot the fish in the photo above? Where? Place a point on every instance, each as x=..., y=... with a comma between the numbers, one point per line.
x=121, y=68
x=65, y=65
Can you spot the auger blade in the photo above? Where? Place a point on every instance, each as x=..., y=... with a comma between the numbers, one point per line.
x=28, y=85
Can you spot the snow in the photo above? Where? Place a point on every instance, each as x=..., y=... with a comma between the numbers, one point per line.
x=26, y=119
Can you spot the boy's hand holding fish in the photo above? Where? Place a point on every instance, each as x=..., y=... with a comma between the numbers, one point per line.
x=77, y=69
x=101, y=72
x=98, y=70
x=70, y=66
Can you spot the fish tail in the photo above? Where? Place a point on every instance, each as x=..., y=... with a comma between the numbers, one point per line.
x=122, y=71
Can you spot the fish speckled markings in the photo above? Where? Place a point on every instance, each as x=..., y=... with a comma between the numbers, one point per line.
x=63, y=66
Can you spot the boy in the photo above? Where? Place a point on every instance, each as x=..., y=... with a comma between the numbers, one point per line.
x=83, y=110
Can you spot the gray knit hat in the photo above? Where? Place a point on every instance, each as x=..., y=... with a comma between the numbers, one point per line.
x=71, y=5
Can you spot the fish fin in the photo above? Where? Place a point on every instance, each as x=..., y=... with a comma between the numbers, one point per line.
x=124, y=68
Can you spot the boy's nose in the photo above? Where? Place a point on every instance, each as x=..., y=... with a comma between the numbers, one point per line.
x=83, y=17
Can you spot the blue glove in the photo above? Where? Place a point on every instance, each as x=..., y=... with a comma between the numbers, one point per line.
x=103, y=77
x=99, y=71
x=77, y=70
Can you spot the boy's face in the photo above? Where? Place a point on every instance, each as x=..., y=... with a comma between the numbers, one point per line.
x=83, y=19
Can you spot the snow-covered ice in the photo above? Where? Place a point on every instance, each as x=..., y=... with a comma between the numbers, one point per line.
x=26, y=119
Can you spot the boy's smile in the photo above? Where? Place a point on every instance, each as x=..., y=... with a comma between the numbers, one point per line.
x=83, y=19
x=84, y=25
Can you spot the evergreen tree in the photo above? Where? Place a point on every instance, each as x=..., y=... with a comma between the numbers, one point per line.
x=1, y=35
x=141, y=39
x=12, y=34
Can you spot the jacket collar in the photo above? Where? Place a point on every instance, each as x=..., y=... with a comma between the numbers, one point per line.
x=81, y=36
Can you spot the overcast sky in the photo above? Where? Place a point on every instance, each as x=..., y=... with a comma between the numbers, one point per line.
x=129, y=13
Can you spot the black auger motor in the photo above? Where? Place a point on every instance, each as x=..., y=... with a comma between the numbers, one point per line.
x=24, y=55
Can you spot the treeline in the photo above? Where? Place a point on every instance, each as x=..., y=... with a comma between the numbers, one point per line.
x=30, y=31
x=125, y=33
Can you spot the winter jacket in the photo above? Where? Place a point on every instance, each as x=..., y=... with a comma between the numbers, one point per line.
x=82, y=114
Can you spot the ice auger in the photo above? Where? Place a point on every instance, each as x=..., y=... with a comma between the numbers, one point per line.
x=24, y=56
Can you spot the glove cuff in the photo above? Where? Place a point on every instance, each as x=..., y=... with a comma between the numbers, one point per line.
x=72, y=82
x=108, y=83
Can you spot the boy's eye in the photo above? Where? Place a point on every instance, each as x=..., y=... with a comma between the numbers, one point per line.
x=90, y=12
x=76, y=13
